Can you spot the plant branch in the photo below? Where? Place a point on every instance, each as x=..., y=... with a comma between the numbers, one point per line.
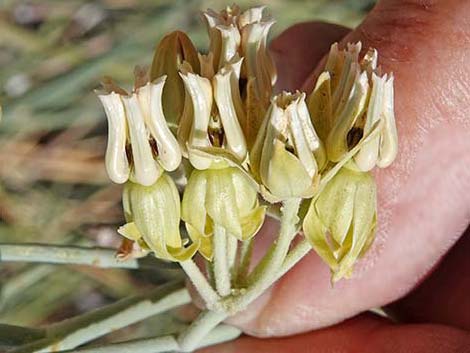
x=294, y=256
x=222, y=333
x=78, y=330
x=76, y=255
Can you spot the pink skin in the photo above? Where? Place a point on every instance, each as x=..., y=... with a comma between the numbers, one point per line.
x=424, y=197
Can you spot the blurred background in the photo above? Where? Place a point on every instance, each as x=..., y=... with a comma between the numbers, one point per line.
x=53, y=186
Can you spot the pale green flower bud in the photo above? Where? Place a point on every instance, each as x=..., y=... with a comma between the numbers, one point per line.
x=283, y=157
x=153, y=216
x=223, y=197
x=137, y=121
x=356, y=98
x=340, y=223
x=173, y=50
x=208, y=125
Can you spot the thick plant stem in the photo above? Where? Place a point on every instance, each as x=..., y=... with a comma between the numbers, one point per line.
x=200, y=282
x=192, y=337
x=72, y=255
x=269, y=273
x=221, y=269
x=220, y=334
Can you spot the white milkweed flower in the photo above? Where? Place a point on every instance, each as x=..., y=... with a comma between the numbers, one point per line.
x=140, y=144
x=354, y=98
x=283, y=156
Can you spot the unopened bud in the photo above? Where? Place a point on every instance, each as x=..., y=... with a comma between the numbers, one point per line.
x=340, y=223
x=223, y=197
x=153, y=216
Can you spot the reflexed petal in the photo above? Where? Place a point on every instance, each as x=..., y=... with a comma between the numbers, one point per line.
x=117, y=164
x=130, y=231
x=193, y=207
x=246, y=197
x=221, y=200
x=155, y=211
x=205, y=243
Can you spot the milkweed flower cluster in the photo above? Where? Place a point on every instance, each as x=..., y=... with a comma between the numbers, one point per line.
x=213, y=117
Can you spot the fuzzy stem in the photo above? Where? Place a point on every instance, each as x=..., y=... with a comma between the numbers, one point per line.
x=220, y=334
x=294, y=256
x=200, y=282
x=221, y=269
x=192, y=337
